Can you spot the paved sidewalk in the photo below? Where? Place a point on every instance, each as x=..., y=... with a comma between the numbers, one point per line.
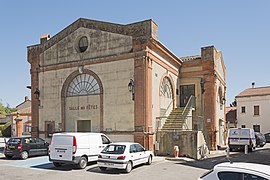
x=211, y=154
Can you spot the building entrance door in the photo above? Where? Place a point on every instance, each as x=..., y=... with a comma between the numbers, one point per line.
x=185, y=92
x=84, y=126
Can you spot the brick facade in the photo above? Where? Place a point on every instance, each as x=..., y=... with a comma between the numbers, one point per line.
x=116, y=54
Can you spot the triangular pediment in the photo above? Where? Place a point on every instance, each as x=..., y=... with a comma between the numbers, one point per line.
x=144, y=29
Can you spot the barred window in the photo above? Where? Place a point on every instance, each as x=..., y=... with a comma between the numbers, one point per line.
x=83, y=84
x=243, y=109
x=166, y=88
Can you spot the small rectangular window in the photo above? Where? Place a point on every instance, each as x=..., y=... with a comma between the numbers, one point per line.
x=243, y=126
x=257, y=128
x=243, y=109
x=256, y=110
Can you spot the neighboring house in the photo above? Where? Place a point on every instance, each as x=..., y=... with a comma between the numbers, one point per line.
x=21, y=119
x=96, y=76
x=253, y=108
x=5, y=118
x=231, y=117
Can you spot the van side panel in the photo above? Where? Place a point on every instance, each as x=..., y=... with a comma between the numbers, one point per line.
x=95, y=147
x=88, y=144
x=83, y=147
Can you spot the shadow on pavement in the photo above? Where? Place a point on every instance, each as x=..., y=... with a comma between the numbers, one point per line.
x=260, y=157
x=65, y=167
x=108, y=171
x=111, y=171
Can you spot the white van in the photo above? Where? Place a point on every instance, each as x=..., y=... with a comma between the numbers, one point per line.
x=239, y=137
x=76, y=148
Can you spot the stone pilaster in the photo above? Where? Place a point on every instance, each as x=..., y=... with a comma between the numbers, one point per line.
x=34, y=59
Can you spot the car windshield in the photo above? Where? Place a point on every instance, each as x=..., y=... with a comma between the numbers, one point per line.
x=114, y=149
x=14, y=140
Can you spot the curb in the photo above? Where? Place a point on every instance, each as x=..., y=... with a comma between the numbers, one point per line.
x=179, y=159
x=158, y=158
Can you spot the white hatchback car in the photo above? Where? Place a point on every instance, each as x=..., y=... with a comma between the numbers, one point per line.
x=124, y=155
x=238, y=171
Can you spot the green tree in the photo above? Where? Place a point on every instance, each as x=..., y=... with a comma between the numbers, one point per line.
x=6, y=110
x=9, y=110
x=2, y=109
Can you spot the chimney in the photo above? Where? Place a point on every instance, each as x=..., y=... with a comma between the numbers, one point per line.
x=26, y=98
x=44, y=38
x=253, y=84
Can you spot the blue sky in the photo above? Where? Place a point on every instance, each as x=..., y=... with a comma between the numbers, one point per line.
x=239, y=28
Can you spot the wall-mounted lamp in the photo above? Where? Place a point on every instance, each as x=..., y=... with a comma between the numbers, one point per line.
x=37, y=93
x=131, y=87
x=223, y=100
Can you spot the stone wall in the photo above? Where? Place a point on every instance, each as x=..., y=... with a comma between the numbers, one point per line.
x=185, y=140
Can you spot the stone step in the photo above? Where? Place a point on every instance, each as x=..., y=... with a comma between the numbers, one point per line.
x=176, y=120
x=170, y=129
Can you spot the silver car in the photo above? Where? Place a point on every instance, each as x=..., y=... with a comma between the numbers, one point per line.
x=124, y=156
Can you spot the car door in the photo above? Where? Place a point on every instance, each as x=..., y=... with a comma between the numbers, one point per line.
x=143, y=156
x=32, y=147
x=42, y=147
x=134, y=155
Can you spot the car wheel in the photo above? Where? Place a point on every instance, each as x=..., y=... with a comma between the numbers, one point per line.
x=56, y=164
x=251, y=149
x=102, y=168
x=149, y=160
x=24, y=155
x=128, y=167
x=8, y=157
x=82, y=163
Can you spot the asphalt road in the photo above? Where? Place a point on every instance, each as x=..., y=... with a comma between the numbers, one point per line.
x=260, y=156
x=40, y=168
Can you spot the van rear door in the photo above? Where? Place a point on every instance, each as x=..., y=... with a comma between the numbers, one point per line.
x=61, y=147
x=245, y=136
x=234, y=136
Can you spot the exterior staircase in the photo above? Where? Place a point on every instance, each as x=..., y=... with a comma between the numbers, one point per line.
x=178, y=119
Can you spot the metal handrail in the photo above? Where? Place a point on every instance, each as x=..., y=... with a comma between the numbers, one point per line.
x=168, y=107
x=188, y=104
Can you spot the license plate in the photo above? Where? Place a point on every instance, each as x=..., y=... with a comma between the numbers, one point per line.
x=11, y=147
x=109, y=164
x=61, y=151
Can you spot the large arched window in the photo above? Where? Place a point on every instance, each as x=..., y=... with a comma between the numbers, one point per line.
x=166, y=88
x=83, y=84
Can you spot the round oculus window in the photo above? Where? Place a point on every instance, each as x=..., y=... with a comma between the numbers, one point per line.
x=83, y=44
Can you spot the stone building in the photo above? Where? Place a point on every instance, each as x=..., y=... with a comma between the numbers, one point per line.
x=120, y=80
x=253, y=108
x=21, y=119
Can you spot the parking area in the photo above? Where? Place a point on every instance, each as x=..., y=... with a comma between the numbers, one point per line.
x=40, y=168
x=43, y=163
